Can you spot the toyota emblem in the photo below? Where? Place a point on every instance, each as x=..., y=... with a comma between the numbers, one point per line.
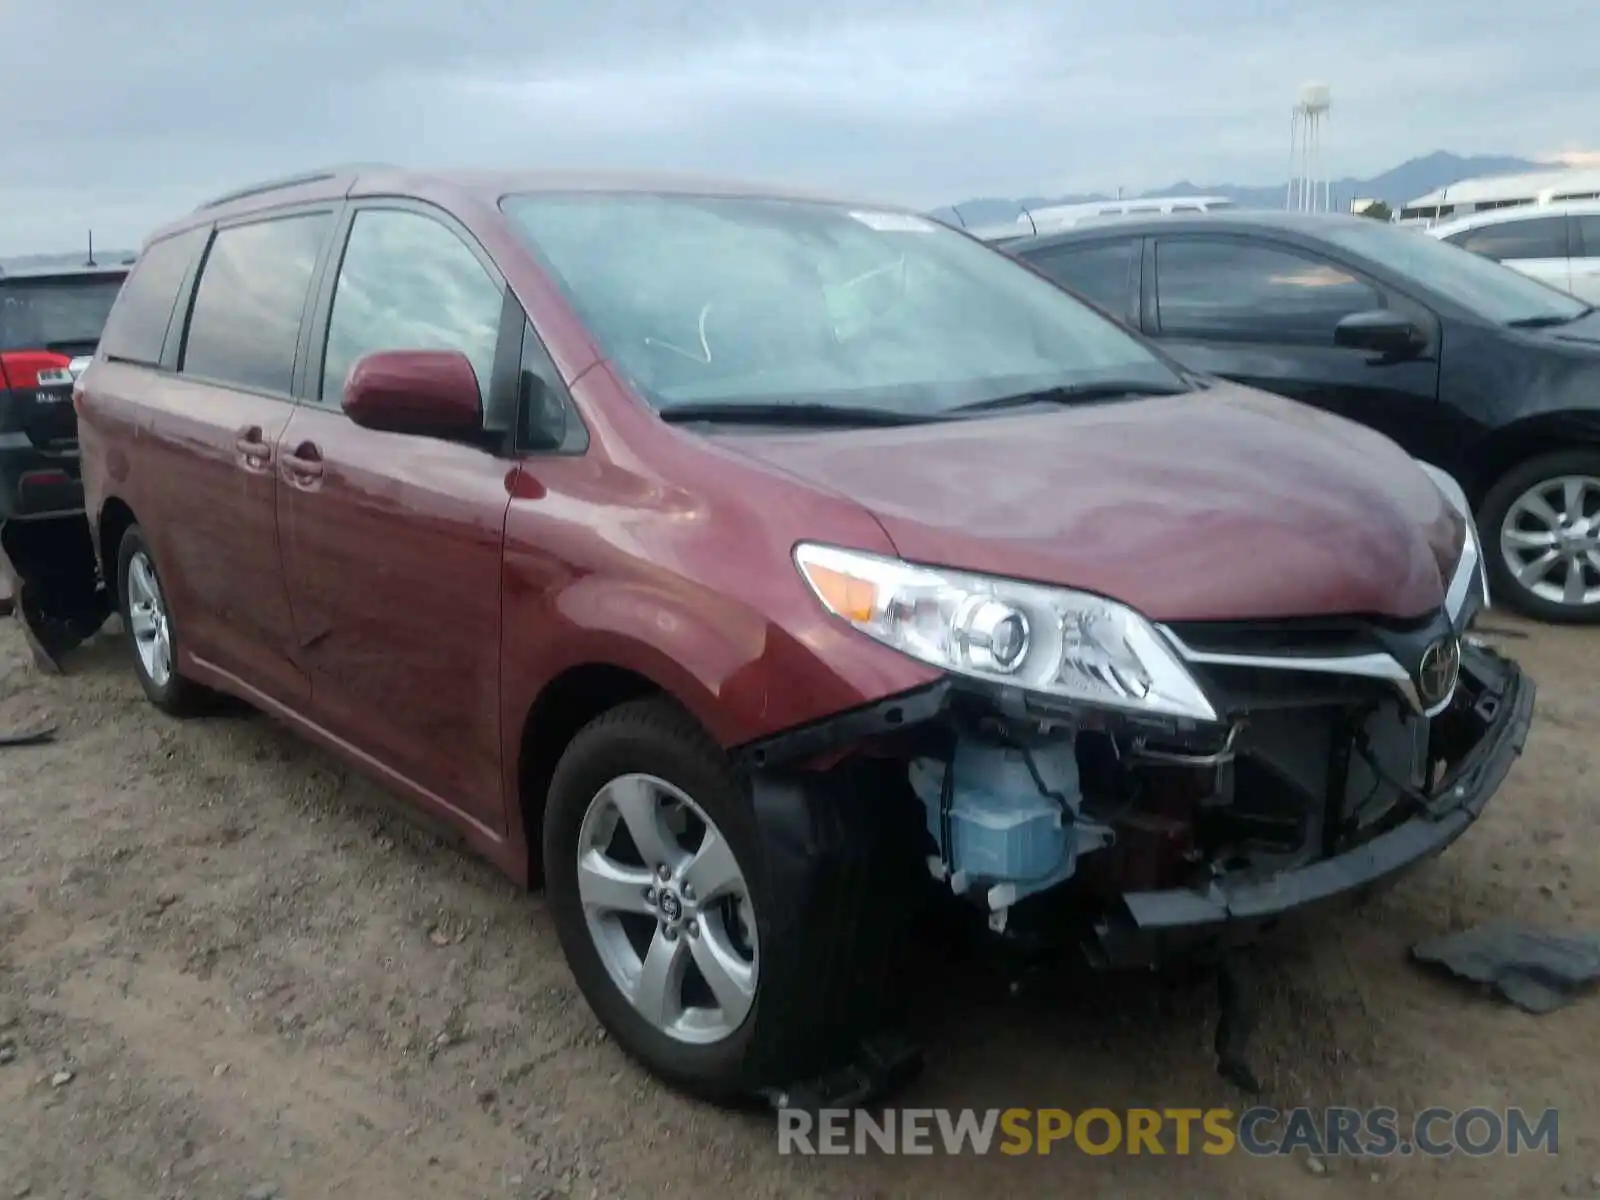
x=1436, y=674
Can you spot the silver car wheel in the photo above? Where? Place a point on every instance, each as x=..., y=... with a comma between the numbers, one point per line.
x=147, y=620
x=668, y=908
x=1550, y=540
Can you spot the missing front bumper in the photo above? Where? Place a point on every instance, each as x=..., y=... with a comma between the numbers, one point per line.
x=1149, y=926
x=1134, y=925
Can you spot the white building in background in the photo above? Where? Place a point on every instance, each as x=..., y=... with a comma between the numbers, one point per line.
x=1502, y=191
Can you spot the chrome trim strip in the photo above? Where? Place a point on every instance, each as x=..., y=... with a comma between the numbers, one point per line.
x=1469, y=570
x=1376, y=665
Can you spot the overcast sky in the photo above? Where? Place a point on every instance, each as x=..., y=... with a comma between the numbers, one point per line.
x=119, y=114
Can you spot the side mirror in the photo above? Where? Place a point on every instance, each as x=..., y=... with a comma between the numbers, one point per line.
x=429, y=392
x=1381, y=331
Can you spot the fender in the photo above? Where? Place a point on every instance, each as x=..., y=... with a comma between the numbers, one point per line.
x=740, y=673
x=700, y=656
x=1547, y=430
x=742, y=676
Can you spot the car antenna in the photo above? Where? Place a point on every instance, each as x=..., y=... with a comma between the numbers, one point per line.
x=1031, y=223
x=956, y=209
x=90, y=261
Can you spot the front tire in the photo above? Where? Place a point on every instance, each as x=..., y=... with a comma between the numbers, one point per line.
x=1540, y=529
x=720, y=969
x=152, y=637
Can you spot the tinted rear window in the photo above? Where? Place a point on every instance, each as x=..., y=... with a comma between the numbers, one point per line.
x=137, y=328
x=1104, y=271
x=1541, y=237
x=247, y=306
x=65, y=313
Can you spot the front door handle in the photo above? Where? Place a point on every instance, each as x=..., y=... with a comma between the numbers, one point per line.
x=253, y=449
x=303, y=464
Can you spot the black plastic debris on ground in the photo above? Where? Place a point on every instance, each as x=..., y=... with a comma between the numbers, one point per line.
x=30, y=735
x=1534, y=969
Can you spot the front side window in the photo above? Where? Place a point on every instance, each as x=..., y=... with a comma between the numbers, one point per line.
x=1542, y=237
x=737, y=300
x=245, y=322
x=1218, y=288
x=1484, y=288
x=409, y=283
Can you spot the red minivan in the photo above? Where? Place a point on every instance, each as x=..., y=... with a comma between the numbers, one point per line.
x=760, y=572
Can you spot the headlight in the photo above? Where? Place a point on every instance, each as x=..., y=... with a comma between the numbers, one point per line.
x=1472, y=559
x=1054, y=641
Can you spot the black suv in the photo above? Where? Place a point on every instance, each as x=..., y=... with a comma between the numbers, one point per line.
x=50, y=318
x=50, y=322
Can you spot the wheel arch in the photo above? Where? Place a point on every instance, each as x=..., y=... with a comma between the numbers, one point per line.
x=570, y=700
x=115, y=519
x=1528, y=438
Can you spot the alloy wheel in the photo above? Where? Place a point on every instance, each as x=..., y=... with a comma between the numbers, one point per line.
x=668, y=908
x=147, y=620
x=1550, y=540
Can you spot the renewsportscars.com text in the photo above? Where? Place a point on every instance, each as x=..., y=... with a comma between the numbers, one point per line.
x=1261, y=1131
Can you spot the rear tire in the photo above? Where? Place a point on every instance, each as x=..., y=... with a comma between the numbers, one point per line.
x=1541, y=520
x=823, y=917
x=152, y=636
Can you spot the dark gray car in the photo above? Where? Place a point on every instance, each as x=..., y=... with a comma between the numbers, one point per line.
x=1469, y=365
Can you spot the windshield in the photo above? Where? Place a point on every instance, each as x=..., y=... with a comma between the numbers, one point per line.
x=1485, y=288
x=707, y=300
x=63, y=313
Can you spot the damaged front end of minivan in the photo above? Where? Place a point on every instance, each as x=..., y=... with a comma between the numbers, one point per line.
x=1149, y=792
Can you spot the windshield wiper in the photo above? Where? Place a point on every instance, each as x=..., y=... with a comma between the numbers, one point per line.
x=1548, y=320
x=1073, y=393
x=790, y=414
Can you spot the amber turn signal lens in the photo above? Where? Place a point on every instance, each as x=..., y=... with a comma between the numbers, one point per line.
x=849, y=596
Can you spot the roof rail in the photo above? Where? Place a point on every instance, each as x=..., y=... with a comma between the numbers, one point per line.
x=289, y=181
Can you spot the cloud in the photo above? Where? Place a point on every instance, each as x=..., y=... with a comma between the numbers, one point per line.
x=1574, y=158
x=138, y=111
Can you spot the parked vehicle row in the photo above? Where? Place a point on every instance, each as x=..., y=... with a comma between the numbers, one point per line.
x=1467, y=365
x=765, y=574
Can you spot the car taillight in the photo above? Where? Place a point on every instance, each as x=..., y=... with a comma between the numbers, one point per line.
x=34, y=368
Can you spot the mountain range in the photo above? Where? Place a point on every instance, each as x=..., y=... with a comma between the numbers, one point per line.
x=1412, y=178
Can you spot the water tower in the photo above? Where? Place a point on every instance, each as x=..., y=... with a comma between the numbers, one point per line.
x=1309, y=187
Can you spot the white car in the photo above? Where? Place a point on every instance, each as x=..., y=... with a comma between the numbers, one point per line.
x=1558, y=244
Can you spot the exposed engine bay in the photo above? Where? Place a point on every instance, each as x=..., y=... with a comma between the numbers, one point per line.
x=1018, y=809
x=1122, y=834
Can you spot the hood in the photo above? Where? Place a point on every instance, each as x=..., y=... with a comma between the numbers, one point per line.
x=1228, y=504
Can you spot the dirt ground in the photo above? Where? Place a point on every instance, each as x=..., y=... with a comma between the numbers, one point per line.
x=265, y=980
